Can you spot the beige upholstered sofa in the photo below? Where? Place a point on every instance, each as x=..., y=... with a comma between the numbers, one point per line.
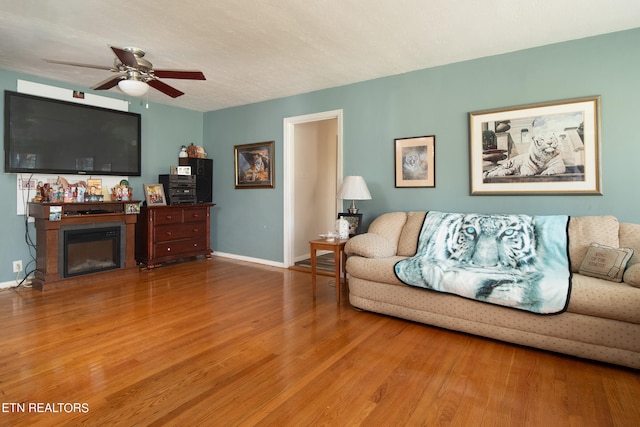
x=602, y=321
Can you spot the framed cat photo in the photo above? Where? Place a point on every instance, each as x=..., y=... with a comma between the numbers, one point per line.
x=415, y=161
x=546, y=148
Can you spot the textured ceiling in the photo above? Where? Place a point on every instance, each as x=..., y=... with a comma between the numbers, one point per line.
x=256, y=50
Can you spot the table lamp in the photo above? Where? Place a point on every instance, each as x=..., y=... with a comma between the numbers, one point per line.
x=354, y=188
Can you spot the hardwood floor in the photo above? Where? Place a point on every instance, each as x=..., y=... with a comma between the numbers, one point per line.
x=227, y=343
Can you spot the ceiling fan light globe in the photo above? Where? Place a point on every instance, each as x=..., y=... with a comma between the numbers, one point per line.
x=133, y=87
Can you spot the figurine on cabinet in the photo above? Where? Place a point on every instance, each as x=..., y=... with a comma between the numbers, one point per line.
x=196, y=152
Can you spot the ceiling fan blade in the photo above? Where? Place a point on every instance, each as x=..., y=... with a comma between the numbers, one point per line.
x=78, y=64
x=165, y=88
x=126, y=57
x=179, y=74
x=108, y=83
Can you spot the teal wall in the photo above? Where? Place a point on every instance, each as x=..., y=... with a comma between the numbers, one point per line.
x=433, y=101
x=164, y=130
x=436, y=101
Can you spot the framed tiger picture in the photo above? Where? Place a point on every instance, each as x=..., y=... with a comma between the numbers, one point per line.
x=545, y=148
x=415, y=161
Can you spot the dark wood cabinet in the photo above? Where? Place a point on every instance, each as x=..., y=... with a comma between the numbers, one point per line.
x=168, y=233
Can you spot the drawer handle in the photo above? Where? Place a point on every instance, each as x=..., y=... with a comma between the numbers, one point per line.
x=168, y=249
x=195, y=245
x=195, y=230
x=169, y=233
x=196, y=215
x=169, y=217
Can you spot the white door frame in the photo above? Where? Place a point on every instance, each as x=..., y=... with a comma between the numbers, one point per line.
x=288, y=171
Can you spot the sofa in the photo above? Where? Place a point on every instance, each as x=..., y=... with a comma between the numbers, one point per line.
x=601, y=321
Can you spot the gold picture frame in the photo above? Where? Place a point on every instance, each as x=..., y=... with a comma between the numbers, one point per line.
x=545, y=148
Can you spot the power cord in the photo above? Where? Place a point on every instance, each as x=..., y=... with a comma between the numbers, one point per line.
x=26, y=281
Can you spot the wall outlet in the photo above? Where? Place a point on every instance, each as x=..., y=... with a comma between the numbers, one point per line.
x=17, y=266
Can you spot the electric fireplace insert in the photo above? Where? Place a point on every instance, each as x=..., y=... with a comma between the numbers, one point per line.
x=91, y=249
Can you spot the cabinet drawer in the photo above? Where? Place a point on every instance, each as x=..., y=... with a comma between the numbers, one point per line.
x=178, y=247
x=195, y=214
x=167, y=216
x=168, y=232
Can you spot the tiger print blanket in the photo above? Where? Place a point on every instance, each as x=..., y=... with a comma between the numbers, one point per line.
x=517, y=261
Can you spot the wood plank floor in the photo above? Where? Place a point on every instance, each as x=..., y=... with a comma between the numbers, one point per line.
x=227, y=343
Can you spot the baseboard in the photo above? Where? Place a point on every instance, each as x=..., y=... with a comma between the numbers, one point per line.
x=249, y=259
x=308, y=256
x=301, y=258
x=14, y=284
x=8, y=285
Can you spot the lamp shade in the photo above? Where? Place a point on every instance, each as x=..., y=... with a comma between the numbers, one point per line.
x=354, y=188
x=133, y=87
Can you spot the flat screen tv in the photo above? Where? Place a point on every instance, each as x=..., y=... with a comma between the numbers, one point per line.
x=43, y=135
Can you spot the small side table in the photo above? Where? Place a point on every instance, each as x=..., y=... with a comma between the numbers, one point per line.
x=339, y=257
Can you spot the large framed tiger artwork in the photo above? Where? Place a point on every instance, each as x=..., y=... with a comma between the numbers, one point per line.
x=415, y=161
x=545, y=148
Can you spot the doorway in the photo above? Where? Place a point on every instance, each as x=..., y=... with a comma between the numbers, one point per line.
x=312, y=171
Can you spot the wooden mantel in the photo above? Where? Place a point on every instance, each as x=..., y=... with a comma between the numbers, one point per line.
x=47, y=274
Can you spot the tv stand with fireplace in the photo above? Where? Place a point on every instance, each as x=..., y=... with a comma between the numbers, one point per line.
x=57, y=223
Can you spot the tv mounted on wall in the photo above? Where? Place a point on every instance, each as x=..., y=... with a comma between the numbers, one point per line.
x=43, y=135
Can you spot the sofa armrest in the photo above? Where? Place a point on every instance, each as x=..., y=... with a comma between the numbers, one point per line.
x=370, y=245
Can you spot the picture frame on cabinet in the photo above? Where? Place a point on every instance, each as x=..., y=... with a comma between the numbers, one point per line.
x=415, y=161
x=543, y=148
x=94, y=190
x=154, y=194
x=354, y=220
x=254, y=165
x=132, y=208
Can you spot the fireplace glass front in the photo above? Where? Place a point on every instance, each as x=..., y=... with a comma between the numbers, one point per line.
x=91, y=250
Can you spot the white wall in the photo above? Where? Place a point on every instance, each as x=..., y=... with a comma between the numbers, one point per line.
x=315, y=186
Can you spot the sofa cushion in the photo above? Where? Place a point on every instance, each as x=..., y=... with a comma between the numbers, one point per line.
x=389, y=225
x=609, y=300
x=408, y=243
x=370, y=245
x=605, y=262
x=630, y=238
x=632, y=275
x=589, y=229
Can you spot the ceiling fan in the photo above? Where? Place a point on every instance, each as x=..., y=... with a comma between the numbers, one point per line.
x=136, y=74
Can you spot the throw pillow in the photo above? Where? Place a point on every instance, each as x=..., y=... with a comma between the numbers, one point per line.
x=605, y=262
